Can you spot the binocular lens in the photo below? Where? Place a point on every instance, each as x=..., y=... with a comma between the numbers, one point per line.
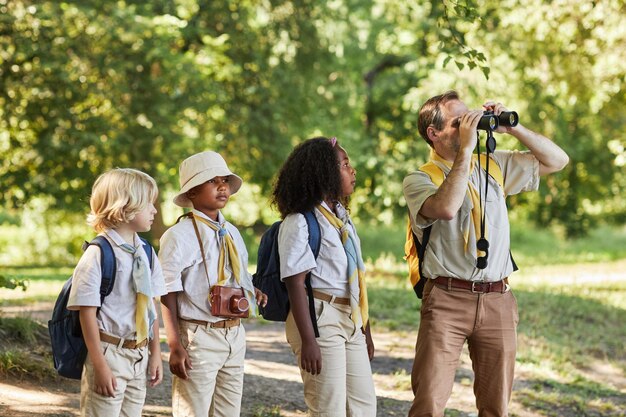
x=488, y=122
x=508, y=118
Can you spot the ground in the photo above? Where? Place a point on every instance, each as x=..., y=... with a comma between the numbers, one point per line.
x=272, y=383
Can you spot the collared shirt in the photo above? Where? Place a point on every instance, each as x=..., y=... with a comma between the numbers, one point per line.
x=445, y=253
x=329, y=272
x=183, y=266
x=117, y=313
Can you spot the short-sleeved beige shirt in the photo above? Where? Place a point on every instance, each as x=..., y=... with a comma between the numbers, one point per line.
x=117, y=313
x=445, y=253
x=183, y=266
x=329, y=272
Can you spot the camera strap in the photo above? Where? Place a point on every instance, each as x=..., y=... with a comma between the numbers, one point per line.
x=482, y=244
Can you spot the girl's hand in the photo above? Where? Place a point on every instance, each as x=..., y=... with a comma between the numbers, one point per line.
x=261, y=298
x=104, y=381
x=369, y=342
x=155, y=370
x=311, y=358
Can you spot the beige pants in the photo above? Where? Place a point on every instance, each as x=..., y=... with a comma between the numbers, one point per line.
x=216, y=381
x=489, y=323
x=345, y=386
x=130, y=368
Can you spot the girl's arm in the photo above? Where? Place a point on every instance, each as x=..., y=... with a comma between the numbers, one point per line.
x=104, y=381
x=369, y=341
x=179, y=359
x=155, y=365
x=310, y=356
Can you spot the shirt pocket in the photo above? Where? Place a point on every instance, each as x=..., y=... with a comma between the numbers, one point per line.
x=194, y=278
x=494, y=204
x=332, y=258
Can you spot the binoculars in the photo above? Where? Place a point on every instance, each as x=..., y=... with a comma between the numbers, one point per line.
x=489, y=121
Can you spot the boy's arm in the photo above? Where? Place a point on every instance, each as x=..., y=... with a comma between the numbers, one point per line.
x=155, y=364
x=104, y=381
x=179, y=359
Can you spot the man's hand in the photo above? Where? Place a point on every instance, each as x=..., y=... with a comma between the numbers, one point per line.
x=467, y=130
x=497, y=109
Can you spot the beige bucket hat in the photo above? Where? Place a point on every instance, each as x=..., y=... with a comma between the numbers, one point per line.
x=198, y=169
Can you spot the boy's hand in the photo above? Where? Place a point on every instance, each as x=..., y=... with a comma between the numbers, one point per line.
x=155, y=370
x=261, y=298
x=104, y=381
x=180, y=362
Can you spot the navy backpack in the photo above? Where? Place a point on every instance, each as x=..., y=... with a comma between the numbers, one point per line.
x=68, y=347
x=267, y=276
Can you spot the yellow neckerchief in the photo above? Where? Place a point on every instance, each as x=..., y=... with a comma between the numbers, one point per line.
x=144, y=313
x=356, y=268
x=226, y=243
x=477, y=210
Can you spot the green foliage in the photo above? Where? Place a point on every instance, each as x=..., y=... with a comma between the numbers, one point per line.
x=20, y=329
x=87, y=86
x=12, y=283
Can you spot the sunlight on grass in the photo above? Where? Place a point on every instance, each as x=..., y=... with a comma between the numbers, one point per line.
x=42, y=284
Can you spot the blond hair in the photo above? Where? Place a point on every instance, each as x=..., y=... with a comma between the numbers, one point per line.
x=118, y=195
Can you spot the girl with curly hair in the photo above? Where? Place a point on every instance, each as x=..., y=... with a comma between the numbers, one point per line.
x=335, y=367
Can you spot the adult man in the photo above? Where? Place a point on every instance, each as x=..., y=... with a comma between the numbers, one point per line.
x=461, y=301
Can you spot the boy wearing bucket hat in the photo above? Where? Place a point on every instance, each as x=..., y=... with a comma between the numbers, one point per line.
x=200, y=251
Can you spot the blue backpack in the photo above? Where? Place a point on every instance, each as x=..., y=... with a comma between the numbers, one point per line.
x=66, y=337
x=267, y=276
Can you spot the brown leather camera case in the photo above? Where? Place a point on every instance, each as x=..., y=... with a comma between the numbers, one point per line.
x=229, y=302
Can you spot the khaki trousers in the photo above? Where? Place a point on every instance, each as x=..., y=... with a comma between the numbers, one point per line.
x=130, y=368
x=449, y=317
x=345, y=386
x=215, y=383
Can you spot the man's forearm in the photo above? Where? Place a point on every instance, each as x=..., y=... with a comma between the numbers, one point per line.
x=550, y=156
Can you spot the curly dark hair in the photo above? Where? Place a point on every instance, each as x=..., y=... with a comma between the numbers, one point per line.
x=309, y=175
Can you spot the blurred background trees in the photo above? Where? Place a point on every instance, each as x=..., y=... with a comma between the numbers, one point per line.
x=90, y=85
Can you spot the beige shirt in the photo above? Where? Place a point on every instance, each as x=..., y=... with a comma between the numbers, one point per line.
x=183, y=266
x=445, y=253
x=117, y=313
x=329, y=272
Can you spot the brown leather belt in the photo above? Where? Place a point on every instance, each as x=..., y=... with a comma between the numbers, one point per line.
x=473, y=286
x=330, y=299
x=128, y=344
x=223, y=324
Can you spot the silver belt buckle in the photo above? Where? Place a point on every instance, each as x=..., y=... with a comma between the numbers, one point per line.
x=474, y=290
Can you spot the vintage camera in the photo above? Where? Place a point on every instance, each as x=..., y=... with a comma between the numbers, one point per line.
x=229, y=302
x=489, y=121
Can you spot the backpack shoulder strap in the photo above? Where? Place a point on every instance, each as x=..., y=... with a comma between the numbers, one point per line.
x=315, y=238
x=108, y=264
x=147, y=247
x=494, y=170
x=315, y=241
x=434, y=172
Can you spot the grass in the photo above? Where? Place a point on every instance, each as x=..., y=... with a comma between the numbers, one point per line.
x=530, y=245
x=24, y=349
